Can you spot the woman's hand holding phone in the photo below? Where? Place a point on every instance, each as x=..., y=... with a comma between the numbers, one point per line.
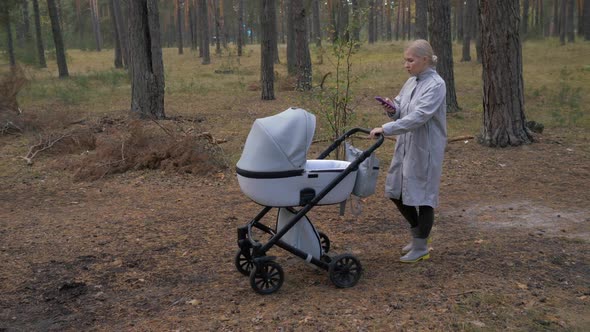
x=387, y=104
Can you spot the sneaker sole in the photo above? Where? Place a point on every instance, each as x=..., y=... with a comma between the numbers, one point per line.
x=428, y=241
x=421, y=258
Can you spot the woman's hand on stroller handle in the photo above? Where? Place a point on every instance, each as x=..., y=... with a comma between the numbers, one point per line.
x=376, y=132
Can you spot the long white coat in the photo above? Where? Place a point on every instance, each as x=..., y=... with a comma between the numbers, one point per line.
x=421, y=125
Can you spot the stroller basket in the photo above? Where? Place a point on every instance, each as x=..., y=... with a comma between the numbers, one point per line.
x=273, y=171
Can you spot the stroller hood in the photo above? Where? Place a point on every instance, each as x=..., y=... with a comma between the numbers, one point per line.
x=278, y=143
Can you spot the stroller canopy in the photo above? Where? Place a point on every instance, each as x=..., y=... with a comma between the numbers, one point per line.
x=278, y=143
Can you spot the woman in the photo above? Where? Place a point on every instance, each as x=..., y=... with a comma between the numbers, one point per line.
x=419, y=120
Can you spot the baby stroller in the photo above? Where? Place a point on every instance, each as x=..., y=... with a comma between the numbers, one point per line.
x=273, y=171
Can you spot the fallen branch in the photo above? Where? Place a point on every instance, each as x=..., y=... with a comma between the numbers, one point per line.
x=460, y=138
x=45, y=143
x=463, y=293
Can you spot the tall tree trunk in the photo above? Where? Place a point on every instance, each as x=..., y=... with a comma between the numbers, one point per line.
x=301, y=46
x=440, y=39
x=5, y=18
x=388, y=27
x=291, y=48
x=180, y=25
x=96, y=24
x=570, y=21
x=580, y=4
x=217, y=27
x=398, y=20
x=268, y=29
x=468, y=29
x=524, y=24
x=193, y=25
x=60, y=52
x=121, y=31
x=204, y=22
x=371, y=23
x=147, y=67
x=343, y=32
x=460, y=17
x=240, y=39
x=275, y=35
x=477, y=31
x=587, y=19
x=562, y=21
x=409, y=20
x=116, y=37
x=26, y=22
x=39, y=35
x=503, y=88
x=356, y=21
x=317, y=30
x=421, y=19
x=554, y=26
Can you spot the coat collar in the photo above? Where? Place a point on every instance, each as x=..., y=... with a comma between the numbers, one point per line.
x=424, y=74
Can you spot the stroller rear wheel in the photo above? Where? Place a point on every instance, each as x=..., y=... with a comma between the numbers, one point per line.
x=345, y=270
x=243, y=260
x=266, y=277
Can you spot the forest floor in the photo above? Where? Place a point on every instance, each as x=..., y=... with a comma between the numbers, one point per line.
x=154, y=250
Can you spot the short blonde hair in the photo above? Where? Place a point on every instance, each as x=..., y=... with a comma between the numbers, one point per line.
x=420, y=48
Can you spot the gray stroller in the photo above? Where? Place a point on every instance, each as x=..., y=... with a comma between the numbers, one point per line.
x=274, y=172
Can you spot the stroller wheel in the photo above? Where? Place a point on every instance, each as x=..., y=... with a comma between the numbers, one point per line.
x=243, y=261
x=325, y=242
x=266, y=277
x=345, y=271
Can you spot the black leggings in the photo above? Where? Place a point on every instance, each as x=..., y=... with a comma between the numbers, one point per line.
x=423, y=220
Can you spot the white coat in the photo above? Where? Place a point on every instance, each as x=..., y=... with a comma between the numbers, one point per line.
x=421, y=126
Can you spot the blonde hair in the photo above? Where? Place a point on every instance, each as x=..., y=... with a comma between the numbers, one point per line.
x=422, y=48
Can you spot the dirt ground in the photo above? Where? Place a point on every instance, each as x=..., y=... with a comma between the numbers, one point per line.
x=154, y=251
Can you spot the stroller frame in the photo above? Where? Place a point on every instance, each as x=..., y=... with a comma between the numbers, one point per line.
x=266, y=275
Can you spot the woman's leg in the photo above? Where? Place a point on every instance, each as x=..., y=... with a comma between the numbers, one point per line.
x=409, y=212
x=425, y=220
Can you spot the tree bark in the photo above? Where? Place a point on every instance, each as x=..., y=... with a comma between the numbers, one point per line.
x=388, y=26
x=301, y=46
x=398, y=20
x=371, y=22
x=440, y=39
x=95, y=24
x=317, y=30
x=468, y=29
x=562, y=21
x=570, y=21
x=193, y=25
x=343, y=20
x=587, y=19
x=217, y=27
x=204, y=23
x=268, y=28
x=240, y=39
x=26, y=22
x=116, y=37
x=121, y=31
x=356, y=21
x=421, y=31
x=60, y=52
x=524, y=26
x=291, y=48
x=460, y=16
x=147, y=67
x=180, y=25
x=5, y=18
x=39, y=35
x=503, y=94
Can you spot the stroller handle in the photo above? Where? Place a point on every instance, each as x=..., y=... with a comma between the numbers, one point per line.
x=346, y=135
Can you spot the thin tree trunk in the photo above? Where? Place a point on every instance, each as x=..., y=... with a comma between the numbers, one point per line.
x=121, y=31
x=503, y=92
x=356, y=21
x=468, y=29
x=388, y=26
x=240, y=39
x=440, y=39
x=147, y=67
x=60, y=52
x=96, y=24
x=587, y=19
x=39, y=35
x=301, y=46
x=421, y=31
x=116, y=37
x=562, y=21
x=460, y=17
x=268, y=28
x=371, y=22
x=291, y=48
x=192, y=24
x=409, y=20
x=343, y=9
x=398, y=20
x=179, y=25
x=317, y=33
x=570, y=21
x=524, y=24
x=204, y=22
x=5, y=18
x=217, y=27
x=26, y=22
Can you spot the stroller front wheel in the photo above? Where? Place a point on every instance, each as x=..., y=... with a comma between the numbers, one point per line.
x=345, y=271
x=243, y=260
x=266, y=277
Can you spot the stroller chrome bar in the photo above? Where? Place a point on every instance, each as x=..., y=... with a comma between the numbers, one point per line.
x=353, y=166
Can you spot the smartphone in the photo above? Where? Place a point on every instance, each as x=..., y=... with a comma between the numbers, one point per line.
x=384, y=102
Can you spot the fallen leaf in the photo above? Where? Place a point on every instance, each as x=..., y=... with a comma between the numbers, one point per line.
x=521, y=286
